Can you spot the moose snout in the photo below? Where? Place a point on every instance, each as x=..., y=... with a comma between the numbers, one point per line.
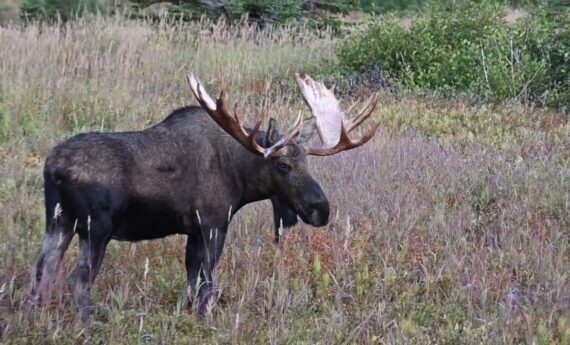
x=319, y=213
x=315, y=209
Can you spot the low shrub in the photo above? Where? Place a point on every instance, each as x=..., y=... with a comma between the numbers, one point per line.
x=64, y=9
x=471, y=50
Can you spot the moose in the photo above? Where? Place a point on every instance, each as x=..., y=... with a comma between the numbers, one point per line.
x=189, y=175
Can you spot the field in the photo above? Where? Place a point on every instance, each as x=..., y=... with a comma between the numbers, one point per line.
x=451, y=227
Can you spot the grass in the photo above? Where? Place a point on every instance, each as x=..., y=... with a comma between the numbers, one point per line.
x=450, y=227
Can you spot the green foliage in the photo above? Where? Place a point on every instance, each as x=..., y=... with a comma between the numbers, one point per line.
x=65, y=9
x=264, y=11
x=267, y=9
x=4, y=123
x=381, y=6
x=471, y=49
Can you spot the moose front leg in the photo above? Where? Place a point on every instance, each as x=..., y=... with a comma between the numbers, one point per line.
x=203, y=250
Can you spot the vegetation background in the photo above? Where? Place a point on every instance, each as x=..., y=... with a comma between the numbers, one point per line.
x=451, y=227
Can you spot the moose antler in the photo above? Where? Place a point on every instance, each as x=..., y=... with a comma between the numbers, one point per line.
x=219, y=112
x=332, y=125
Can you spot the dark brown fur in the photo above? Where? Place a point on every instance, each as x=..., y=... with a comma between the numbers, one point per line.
x=184, y=175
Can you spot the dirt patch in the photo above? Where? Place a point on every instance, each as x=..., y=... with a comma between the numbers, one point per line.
x=511, y=18
x=406, y=22
x=513, y=15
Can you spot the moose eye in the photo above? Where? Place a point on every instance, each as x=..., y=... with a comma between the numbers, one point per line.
x=283, y=167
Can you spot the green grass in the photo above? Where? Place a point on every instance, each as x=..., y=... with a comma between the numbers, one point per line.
x=450, y=227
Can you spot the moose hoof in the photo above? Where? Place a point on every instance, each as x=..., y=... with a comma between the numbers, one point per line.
x=86, y=313
x=200, y=304
x=33, y=300
x=204, y=302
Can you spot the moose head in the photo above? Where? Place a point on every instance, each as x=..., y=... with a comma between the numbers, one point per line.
x=297, y=194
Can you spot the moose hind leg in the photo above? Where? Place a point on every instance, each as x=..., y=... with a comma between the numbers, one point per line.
x=92, y=247
x=55, y=243
x=203, y=250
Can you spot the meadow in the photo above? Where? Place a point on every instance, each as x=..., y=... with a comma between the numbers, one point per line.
x=452, y=226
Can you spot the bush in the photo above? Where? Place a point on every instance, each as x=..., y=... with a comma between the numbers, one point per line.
x=65, y=9
x=471, y=50
x=546, y=37
x=264, y=11
x=381, y=6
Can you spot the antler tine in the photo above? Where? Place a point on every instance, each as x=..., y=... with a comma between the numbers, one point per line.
x=262, y=116
x=237, y=117
x=332, y=124
x=293, y=131
x=253, y=133
x=195, y=85
x=218, y=111
x=369, y=135
x=352, y=106
x=222, y=105
x=364, y=113
x=345, y=143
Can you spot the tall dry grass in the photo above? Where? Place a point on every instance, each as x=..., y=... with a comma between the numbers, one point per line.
x=106, y=72
x=451, y=227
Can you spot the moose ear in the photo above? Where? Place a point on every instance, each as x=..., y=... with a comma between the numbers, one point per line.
x=272, y=135
x=307, y=131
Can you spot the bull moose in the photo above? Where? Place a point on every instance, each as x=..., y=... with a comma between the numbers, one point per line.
x=188, y=175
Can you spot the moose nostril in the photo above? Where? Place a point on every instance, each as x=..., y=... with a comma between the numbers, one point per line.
x=319, y=213
x=319, y=218
x=323, y=207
